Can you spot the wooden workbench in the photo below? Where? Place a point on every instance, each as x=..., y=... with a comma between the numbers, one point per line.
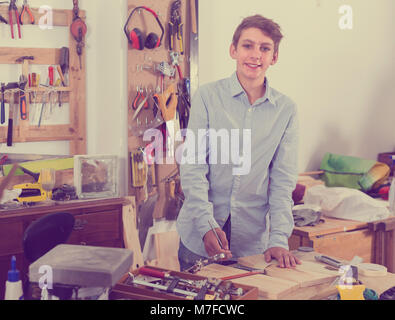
x=309, y=281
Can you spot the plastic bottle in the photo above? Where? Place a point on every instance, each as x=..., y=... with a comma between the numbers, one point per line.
x=391, y=193
x=13, y=288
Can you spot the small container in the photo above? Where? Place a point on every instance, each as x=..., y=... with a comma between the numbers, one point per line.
x=13, y=287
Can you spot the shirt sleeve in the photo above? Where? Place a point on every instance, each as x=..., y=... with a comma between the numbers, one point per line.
x=283, y=178
x=194, y=169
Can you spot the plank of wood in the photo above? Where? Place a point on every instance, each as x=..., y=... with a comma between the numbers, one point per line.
x=268, y=287
x=42, y=56
x=256, y=262
x=330, y=226
x=130, y=232
x=77, y=103
x=309, y=266
x=59, y=16
x=303, y=277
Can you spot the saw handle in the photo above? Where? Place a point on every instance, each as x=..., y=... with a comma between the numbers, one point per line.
x=152, y=273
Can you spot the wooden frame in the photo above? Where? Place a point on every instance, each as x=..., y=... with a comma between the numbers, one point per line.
x=74, y=94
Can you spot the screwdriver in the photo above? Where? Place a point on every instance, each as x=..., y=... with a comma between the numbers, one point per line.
x=51, y=75
x=2, y=103
x=57, y=84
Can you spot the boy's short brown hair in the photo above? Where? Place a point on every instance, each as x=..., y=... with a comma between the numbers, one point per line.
x=267, y=26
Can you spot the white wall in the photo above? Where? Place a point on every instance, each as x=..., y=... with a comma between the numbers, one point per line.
x=342, y=80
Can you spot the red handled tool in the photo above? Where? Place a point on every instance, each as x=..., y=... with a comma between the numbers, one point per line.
x=139, y=99
x=14, y=8
x=51, y=76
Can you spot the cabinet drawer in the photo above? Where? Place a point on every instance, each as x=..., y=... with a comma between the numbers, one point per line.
x=11, y=235
x=95, y=228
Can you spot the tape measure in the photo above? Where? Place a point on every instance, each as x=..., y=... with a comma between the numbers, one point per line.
x=372, y=270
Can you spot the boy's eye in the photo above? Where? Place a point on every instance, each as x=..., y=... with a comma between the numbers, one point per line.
x=265, y=49
x=247, y=46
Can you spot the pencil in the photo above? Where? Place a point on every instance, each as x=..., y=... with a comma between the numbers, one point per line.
x=216, y=235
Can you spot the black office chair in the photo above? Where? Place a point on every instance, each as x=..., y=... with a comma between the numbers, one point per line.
x=43, y=235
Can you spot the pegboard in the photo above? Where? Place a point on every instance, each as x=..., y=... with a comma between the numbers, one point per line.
x=142, y=73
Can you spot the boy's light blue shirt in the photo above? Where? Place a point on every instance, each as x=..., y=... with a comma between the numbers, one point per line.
x=213, y=191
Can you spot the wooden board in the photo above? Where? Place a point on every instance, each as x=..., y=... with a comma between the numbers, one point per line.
x=300, y=275
x=130, y=233
x=268, y=287
x=330, y=225
x=256, y=262
x=307, y=274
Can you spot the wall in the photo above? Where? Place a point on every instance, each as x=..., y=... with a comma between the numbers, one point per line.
x=342, y=80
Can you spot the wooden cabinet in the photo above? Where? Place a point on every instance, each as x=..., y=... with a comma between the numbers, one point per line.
x=97, y=223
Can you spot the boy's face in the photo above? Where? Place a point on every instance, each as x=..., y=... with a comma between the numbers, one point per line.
x=254, y=54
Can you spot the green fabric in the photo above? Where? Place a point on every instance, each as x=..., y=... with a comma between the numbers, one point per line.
x=346, y=171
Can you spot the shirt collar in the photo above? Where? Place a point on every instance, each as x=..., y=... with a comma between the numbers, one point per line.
x=237, y=89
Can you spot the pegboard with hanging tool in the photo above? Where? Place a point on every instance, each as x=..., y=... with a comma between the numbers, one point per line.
x=26, y=105
x=157, y=33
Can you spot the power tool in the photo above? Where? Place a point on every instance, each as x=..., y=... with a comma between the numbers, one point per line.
x=32, y=192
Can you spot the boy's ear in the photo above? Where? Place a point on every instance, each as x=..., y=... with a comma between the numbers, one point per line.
x=275, y=58
x=232, y=51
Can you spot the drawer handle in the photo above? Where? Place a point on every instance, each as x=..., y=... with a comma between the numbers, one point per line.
x=80, y=224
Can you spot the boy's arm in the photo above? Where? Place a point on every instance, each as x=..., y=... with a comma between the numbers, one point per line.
x=283, y=178
x=194, y=169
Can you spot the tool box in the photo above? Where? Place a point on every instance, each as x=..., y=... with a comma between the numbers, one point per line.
x=127, y=289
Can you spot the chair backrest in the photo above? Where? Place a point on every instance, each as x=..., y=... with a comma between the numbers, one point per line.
x=46, y=233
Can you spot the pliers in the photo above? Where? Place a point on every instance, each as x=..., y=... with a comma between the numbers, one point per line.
x=175, y=26
x=140, y=98
x=14, y=8
x=26, y=9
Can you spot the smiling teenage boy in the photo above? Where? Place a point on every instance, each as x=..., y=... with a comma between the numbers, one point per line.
x=237, y=205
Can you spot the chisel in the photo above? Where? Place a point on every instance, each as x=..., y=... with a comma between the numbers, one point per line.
x=10, y=120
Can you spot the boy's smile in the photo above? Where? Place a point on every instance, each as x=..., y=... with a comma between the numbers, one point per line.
x=254, y=54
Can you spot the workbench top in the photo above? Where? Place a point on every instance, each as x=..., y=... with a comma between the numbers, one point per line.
x=378, y=284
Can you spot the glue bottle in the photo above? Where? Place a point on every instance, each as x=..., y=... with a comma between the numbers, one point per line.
x=13, y=288
x=391, y=193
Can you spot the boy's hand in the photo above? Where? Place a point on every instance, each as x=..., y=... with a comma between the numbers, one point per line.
x=283, y=256
x=213, y=247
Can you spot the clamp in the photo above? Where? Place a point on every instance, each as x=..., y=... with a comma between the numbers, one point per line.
x=13, y=8
x=204, y=262
x=175, y=56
